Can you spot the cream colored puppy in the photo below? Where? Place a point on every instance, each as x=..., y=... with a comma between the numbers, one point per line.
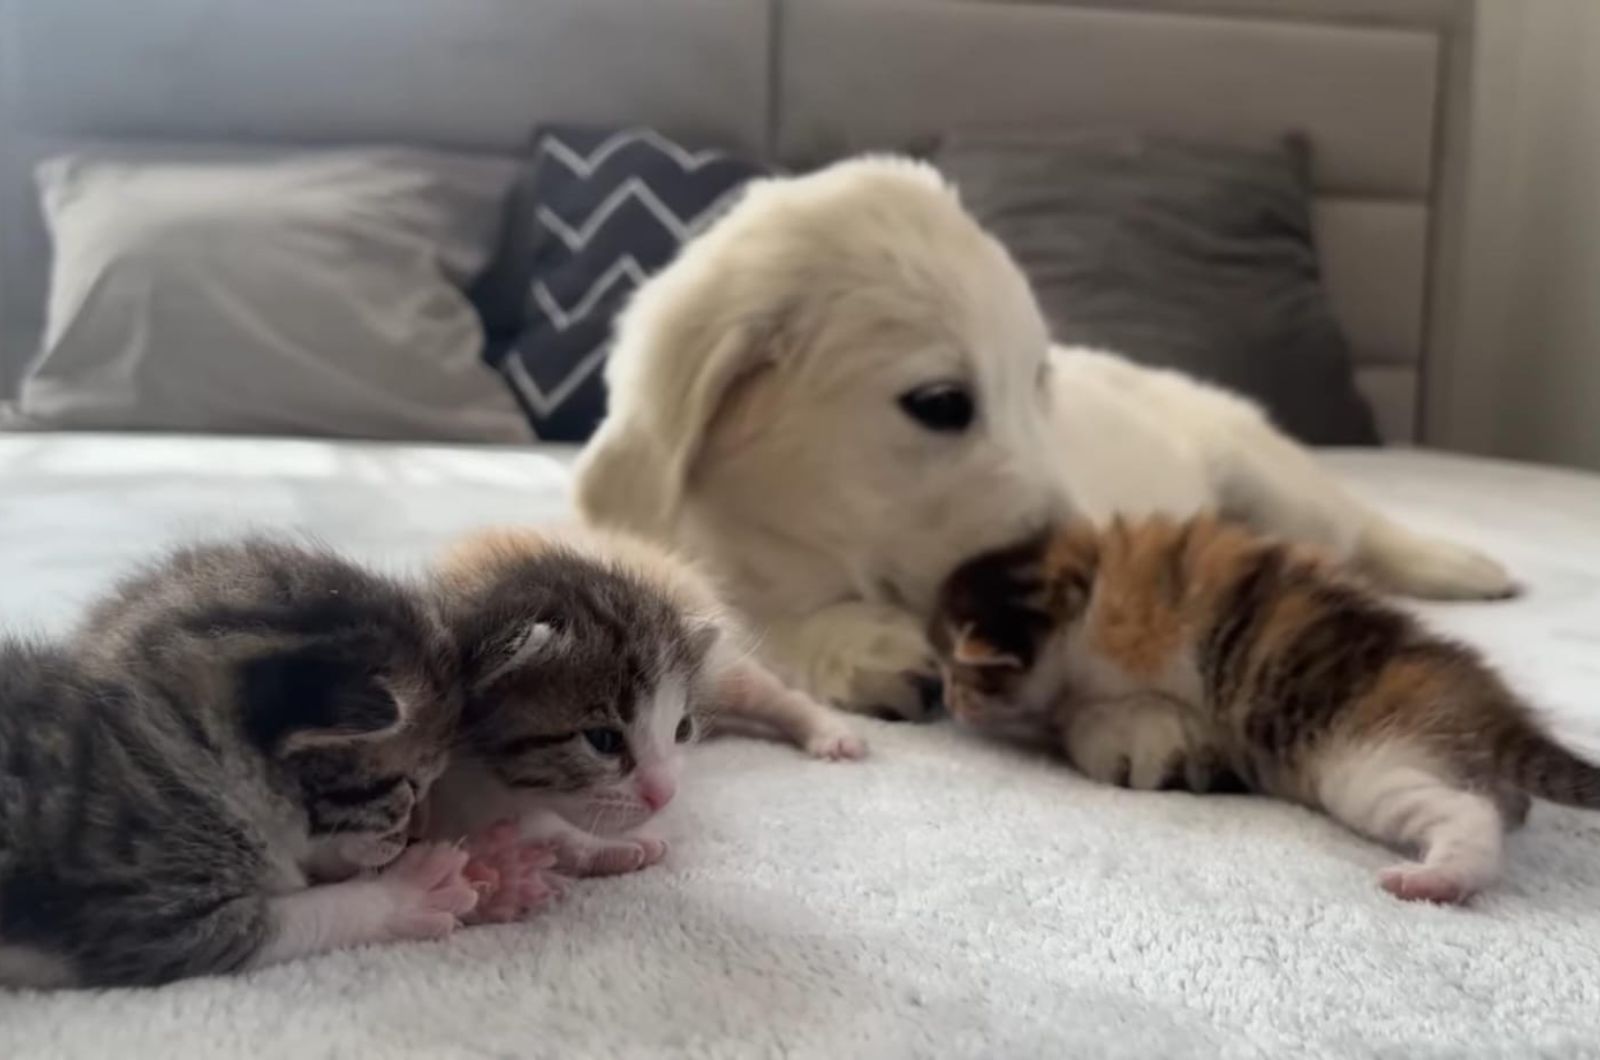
x=845, y=387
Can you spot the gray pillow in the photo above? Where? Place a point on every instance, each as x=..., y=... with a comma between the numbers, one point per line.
x=1181, y=255
x=300, y=292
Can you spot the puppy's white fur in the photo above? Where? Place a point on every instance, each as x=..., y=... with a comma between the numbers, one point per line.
x=754, y=423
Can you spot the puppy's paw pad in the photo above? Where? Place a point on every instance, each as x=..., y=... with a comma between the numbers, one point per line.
x=1424, y=883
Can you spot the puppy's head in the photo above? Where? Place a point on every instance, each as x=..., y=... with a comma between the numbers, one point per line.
x=847, y=360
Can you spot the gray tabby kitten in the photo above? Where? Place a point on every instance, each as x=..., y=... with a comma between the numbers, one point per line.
x=230, y=727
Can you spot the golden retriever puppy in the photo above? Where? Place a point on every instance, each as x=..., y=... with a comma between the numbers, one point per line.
x=845, y=387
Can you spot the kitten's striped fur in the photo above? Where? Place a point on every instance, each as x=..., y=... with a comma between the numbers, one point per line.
x=228, y=727
x=588, y=659
x=1218, y=656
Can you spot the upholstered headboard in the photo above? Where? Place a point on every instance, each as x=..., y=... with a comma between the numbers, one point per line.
x=1380, y=86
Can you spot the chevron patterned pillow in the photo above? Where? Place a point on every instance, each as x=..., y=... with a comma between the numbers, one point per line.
x=597, y=212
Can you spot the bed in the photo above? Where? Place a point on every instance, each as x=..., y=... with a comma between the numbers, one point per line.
x=944, y=898
x=947, y=897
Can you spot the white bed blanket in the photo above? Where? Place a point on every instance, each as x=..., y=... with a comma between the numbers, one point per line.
x=945, y=898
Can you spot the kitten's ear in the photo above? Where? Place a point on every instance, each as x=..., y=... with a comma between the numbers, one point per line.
x=314, y=696
x=969, y=649
x=703, y=636
x=524, y=647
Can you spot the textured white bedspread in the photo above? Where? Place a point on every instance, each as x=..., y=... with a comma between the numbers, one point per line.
x=945, y=898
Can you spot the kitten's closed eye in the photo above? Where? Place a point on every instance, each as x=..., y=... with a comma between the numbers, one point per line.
x=606, y=741
x=684, y=731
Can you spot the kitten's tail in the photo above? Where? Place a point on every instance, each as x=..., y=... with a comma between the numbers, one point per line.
x=1531, y=760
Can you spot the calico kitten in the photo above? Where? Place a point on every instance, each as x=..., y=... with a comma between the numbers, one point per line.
x=589, y=661
x=1264, y=661
x=228, y=726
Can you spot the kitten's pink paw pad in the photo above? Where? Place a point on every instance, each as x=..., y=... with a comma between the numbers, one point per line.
x=836, y=746
x=428, y=890
x=1421, y=883
x=518, y=899
x=512, y=877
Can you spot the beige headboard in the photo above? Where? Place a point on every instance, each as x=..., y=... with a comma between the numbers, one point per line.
x=1380, y=86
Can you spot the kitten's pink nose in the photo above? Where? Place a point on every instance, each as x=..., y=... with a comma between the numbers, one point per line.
x=656, y=791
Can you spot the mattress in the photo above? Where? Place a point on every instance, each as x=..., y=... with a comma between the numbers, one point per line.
x=946, y=897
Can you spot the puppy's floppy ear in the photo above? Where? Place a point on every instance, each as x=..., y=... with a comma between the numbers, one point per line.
x=314, y=695
x=633, y=472
x=685, y=339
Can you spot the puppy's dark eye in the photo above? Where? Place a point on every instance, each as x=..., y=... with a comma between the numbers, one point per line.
x=944, y=407
x=605, y=741
x=685, y=730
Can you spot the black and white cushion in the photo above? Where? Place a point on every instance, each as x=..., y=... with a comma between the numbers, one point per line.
x=598, y=211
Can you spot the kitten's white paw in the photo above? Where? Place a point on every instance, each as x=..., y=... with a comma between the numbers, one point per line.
x=427, y=891
x=1426, y=883
x=612, y=857
x=836, y=744
x=1432, y=568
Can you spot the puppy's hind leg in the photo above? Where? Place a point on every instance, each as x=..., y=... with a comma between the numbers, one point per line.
x=1275, y=485
x=1392, y=795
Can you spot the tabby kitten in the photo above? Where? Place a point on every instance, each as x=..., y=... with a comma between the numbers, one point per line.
x=229, y=726
x=1230, y=653
x=589, y=661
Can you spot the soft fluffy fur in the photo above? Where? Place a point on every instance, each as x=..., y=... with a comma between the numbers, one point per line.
x=756, y=421
x=1191, y=654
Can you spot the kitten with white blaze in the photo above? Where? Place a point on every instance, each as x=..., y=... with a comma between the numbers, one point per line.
x=589, y=661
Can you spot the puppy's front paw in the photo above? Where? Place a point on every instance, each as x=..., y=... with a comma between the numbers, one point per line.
x=889, y=673
x=1129, y=743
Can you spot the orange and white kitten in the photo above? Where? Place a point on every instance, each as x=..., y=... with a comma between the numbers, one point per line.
x=1223, y=657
